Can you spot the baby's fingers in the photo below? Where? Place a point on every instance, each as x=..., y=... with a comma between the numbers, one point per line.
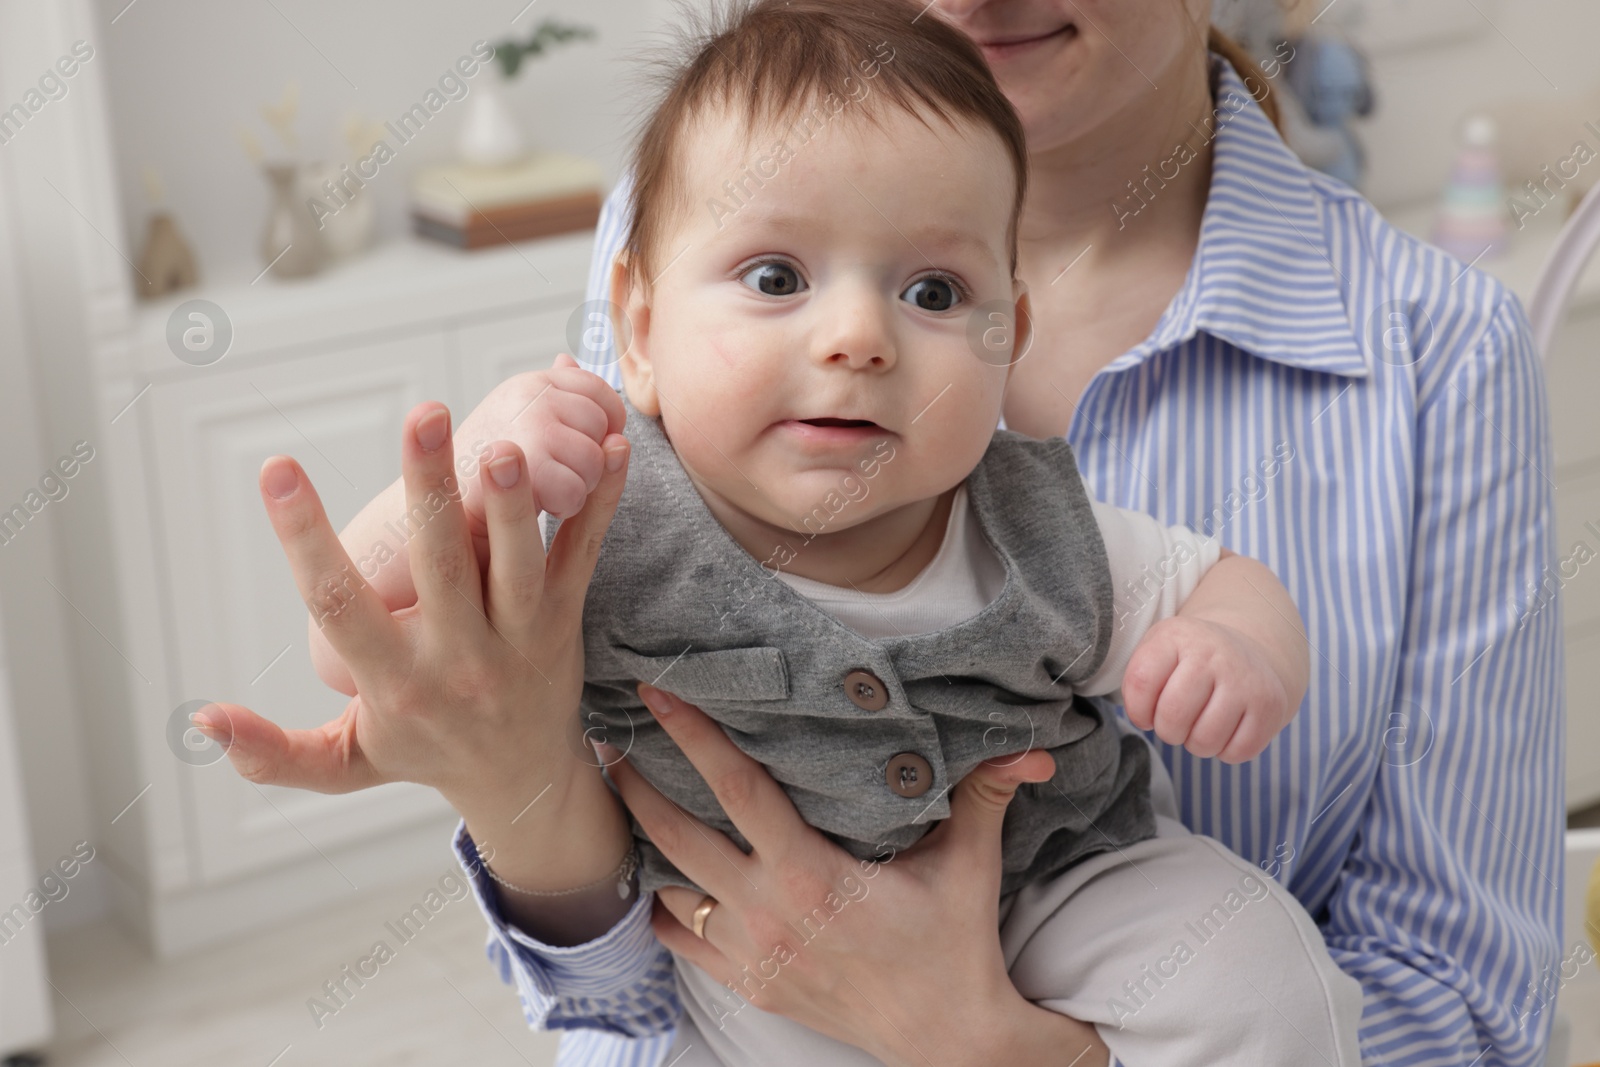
x=1183, y=698
x=573, y=378
x=564, y=470
x=1251, y=738
x=1152, y=663
x=1216, y=726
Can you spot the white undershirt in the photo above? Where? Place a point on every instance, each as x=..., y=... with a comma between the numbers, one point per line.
x=967, y=575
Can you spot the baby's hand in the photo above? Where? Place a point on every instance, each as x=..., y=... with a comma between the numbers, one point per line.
x=558, y=417
x=1206, y=686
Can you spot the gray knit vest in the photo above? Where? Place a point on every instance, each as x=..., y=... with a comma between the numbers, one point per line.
x=676, y=602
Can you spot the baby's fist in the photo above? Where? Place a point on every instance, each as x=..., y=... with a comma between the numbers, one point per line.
x=1207, y=687
x=559, y=418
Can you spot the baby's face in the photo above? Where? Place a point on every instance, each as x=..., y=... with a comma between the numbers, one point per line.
x=796, y=338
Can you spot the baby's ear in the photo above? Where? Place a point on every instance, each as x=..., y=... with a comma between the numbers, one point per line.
x=1024, y=320
x=630, y=298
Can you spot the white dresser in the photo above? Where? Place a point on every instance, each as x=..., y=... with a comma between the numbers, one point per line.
x=323, y=370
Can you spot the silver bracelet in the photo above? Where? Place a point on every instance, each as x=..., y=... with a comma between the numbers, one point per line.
x=623, y=876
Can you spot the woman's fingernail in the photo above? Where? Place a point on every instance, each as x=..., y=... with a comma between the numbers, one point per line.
x=280, y=479
x=212, y=729
x=505, y=471
x=431, y=429
x=655, y=700
x=607, y=752
x=614, y=458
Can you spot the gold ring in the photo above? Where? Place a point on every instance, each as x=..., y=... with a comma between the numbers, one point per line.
x=700, y=915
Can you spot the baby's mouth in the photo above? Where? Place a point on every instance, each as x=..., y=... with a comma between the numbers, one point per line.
x=854, y=424
x=830, y=432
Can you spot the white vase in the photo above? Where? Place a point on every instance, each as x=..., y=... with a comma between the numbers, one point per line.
x=491, y=136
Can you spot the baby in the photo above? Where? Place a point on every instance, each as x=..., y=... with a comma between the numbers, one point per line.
x=826, y=543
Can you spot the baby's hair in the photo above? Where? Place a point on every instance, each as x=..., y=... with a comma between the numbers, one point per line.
x=781, y=62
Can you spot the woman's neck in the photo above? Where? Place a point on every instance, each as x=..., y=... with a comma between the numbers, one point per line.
x=1137, y=179
x=1101, y=262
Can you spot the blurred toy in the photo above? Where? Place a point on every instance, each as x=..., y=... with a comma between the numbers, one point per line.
x=1318, y=77
x=166, y=261
x=1471, y=223
x=1328, y=78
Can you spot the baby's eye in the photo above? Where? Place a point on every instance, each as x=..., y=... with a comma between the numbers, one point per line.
x=932, y=294
x=773, y=279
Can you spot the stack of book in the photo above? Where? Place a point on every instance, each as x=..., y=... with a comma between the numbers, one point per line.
x=475, y=207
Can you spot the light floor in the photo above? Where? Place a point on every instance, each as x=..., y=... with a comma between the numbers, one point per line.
x=436, y=1002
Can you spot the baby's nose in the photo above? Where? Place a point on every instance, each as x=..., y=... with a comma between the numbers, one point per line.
x=859, y=336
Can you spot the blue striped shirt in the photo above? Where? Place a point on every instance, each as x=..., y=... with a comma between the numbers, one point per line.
x=1367, y=417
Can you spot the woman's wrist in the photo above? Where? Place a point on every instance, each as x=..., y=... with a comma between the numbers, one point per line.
x=1012, y=1030
x=1040, y=1037
x=548, y=835
x=572, y=836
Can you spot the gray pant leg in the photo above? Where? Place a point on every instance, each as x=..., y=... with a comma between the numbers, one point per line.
x=1256, y=987
x=1181, y=952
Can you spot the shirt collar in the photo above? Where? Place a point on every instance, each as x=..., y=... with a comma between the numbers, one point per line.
x=1261, y=279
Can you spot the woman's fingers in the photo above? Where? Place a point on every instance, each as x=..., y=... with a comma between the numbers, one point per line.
x=673, y=919
x=577, y=542
x=704, y=854
x=680, y=903
x=516, y=562
x=443, y=566
x=749, y=796
x=325, y=760
x=970, y=836
x=347, y=610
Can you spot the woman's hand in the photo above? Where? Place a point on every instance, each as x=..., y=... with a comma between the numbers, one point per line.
x=472, y=690
x=562, y=419
x=910, y=969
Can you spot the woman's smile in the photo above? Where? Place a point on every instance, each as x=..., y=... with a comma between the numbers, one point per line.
x=1003, y=48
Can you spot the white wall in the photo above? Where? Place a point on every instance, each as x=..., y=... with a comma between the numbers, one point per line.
x=1530, y=62
x=189, y=74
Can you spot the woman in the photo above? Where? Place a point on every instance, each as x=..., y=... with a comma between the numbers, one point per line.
x=1229, y=341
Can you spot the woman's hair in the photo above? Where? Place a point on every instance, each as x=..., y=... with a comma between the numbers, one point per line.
x=793, y=66
x=1256, y=82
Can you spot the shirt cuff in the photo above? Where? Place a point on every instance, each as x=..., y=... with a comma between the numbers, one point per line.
x=625, y=957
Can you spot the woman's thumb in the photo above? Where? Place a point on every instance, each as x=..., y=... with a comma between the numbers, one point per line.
x=323, y=760
x=978, y=805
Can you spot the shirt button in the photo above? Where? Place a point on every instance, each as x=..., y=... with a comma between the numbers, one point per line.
x=866, y=691
x=908, y=774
